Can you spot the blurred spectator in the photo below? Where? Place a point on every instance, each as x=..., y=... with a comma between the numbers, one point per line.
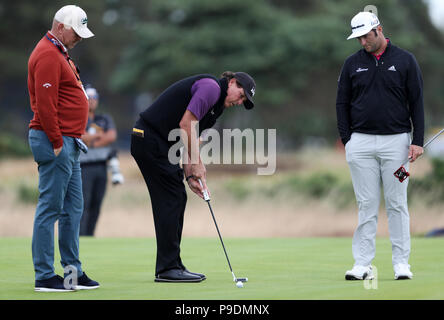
x=99, y=137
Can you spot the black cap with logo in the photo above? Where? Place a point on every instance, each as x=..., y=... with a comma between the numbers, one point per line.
x=247, y=82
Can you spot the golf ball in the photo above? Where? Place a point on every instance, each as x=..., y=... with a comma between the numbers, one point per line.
x=239, y=284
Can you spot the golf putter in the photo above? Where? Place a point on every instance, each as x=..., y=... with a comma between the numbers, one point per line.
x=207, y=199
x=401, y=174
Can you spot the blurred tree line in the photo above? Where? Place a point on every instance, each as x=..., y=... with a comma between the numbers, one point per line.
x=294, y=49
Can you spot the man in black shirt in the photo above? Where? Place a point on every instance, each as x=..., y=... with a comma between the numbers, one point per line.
x=379, y=102
x=192, y=105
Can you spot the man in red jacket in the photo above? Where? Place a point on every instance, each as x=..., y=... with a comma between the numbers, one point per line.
x=60, y=107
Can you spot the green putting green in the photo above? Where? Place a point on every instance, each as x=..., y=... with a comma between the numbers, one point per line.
x=277, y=269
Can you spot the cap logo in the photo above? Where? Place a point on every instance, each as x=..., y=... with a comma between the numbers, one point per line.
x=84, y=20
x=253, y=91
x=361, y=25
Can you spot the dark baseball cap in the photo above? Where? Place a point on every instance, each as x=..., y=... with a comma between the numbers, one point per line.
x=249, y=86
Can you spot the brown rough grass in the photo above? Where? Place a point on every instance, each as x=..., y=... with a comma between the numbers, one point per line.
x=126, y=211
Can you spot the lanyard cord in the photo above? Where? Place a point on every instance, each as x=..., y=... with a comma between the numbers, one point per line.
x=73, y=67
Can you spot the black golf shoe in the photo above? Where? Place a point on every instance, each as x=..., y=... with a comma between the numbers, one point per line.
x=177, y=275
x=201, y=275
x=53, y=284
x=85, y=283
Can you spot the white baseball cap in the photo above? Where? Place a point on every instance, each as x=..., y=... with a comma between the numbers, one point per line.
x=74, y=16
x=363, y=23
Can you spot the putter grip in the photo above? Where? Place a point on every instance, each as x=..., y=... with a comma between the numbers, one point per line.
x=205, y=192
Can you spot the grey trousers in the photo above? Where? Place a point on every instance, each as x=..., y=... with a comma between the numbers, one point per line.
x=372, y=160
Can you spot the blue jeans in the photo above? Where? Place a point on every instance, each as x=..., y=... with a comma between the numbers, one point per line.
x=60, y=198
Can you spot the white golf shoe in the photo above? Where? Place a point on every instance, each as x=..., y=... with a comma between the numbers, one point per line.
x=402, y=271
x=360, y=273
x=116, y=175
x=117, y=178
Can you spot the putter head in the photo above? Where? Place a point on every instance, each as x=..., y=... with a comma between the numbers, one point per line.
x=401, y=174
x=236, y=279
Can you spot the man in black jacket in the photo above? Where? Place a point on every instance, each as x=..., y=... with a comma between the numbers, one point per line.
x=379, y=102
x=199, y=99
